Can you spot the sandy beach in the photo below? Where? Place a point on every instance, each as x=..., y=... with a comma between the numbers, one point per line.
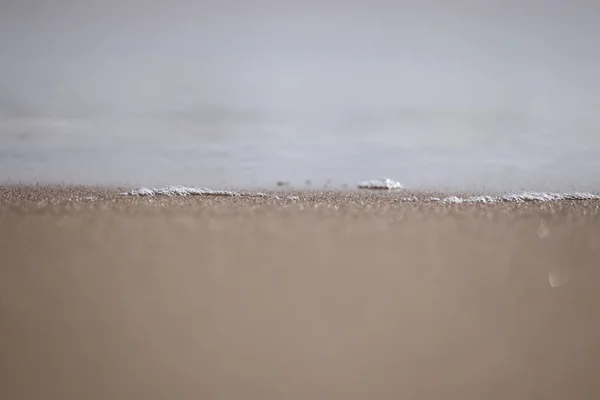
x=296, y=295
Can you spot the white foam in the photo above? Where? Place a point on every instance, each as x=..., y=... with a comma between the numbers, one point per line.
x=185, y=191
x=519, y=198
x=380, y=184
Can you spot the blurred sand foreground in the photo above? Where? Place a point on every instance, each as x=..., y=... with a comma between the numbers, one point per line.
x=332, y=295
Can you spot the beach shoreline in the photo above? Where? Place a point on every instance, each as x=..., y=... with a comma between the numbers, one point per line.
x=295, y=294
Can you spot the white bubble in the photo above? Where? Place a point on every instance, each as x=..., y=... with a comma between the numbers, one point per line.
x=558, y=278
x=542, y=230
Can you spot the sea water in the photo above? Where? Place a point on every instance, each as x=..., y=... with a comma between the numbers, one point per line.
x=467, y=96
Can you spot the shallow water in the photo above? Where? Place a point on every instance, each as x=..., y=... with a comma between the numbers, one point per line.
x=263, y=154
x=436, y=95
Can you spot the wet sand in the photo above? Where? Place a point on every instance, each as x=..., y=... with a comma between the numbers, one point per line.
x=296, y=295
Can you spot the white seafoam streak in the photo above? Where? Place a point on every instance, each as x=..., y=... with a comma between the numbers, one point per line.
x=521, y=197
x=464, y=94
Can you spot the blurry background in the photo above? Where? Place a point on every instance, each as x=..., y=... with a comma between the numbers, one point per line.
x=451, y=95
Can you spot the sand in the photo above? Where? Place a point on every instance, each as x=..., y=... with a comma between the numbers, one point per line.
x=296, y=295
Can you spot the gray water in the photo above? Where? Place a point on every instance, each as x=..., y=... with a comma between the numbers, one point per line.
x=483, y=95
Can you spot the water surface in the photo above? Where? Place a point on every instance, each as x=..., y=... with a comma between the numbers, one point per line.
x=473, y=95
